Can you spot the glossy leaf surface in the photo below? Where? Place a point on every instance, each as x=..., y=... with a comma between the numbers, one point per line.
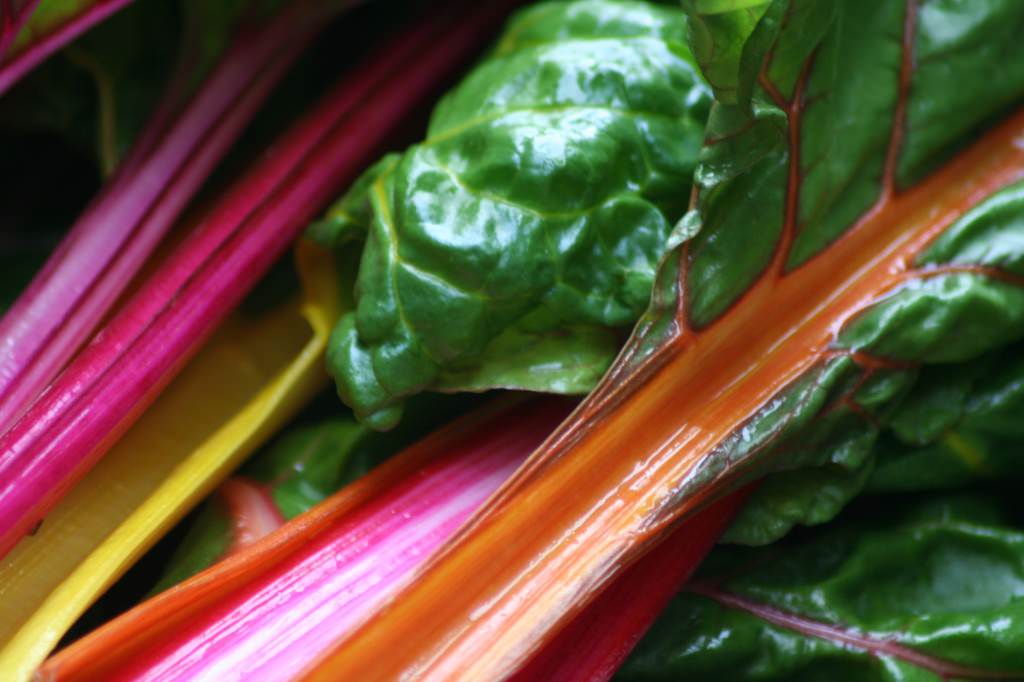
x=513, y=245
x=817, y=272
x=931, y=591
x=957, y=299
x=959, y=423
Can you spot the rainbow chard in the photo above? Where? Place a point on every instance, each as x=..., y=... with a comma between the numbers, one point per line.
x=261, y=612
x=302, y=468
x=856, y=225
x=278, y=604
x=145, y=345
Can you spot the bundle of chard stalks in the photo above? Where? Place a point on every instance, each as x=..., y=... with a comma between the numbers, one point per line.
x=557, y=340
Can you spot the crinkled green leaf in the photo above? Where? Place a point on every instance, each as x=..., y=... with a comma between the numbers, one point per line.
x=958, y=424
x=930, y=591
x=508, y=247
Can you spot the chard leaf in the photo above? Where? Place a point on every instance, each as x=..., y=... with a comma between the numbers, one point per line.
x=929, y=592
x=807, y=155
x=717, y=32
x=508, y=248
x=961, y=456
x=967, y=400
x=817, y=276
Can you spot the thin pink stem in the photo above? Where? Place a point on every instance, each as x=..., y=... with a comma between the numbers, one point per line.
x=13, y=67
x=119, y=231
x=251, y=509
x=105, y=389
x=12, y=19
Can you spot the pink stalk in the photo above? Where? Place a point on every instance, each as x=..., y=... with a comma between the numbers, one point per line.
x=108, y=385
x=597, y=643
x=109, y=243
x=14, y=66
x=14, y=14
x=274, y=628
x=340, y=561
x=279, y=606
x=252, y=511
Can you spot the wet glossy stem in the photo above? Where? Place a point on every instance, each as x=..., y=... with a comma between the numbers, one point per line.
x=647, y=452
x=595, y=645
x=350, y=552
x=107, y=386
x=19, y=63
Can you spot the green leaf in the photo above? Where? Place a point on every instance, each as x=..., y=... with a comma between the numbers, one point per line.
x=305, y=465
x=208, y=539
x=925, y=591
x=842, y=63
x=509, y=247
x=834, y=118
x=961, y=456
x=958, y=424
x=717, y=32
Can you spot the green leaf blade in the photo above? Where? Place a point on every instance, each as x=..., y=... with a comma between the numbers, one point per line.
x=532, y=216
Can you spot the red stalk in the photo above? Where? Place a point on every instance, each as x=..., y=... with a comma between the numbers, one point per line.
x=14, y=66
x=105, y=389
x=596, y=644
x=107, y=246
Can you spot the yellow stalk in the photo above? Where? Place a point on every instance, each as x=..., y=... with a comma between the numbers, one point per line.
x=251, y=377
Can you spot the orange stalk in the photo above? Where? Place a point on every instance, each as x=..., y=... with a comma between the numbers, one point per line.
x=595, y=645
x=639, y=455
